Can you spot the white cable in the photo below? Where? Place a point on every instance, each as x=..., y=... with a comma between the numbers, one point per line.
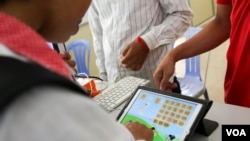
x=82, y=73
x=206, y=71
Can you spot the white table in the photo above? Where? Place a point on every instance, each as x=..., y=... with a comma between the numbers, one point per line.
x=220, y=112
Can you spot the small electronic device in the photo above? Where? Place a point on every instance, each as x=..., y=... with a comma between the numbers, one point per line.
x=173, y=117
x=58, y=47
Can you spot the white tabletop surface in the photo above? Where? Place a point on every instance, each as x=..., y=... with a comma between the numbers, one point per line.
x=220, y=112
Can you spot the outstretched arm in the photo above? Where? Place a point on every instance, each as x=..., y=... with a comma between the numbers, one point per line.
x=215, y=33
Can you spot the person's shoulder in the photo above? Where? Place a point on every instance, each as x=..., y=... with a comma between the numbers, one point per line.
x=44, y=108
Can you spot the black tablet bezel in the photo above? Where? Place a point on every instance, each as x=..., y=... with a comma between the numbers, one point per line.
x=204, y=109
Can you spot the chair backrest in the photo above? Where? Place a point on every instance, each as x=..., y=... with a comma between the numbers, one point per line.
x=192, y=63
x=81, y=50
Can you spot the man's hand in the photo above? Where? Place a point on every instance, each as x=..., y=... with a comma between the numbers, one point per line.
x=164, y=72
x=67, y=58
x=134, y=56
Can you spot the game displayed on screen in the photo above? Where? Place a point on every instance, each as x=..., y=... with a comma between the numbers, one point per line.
x=170, y=117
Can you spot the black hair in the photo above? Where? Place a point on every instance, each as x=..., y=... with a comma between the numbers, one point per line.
x=2, y=1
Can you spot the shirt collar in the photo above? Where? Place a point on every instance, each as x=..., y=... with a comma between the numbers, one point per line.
x=24, y=41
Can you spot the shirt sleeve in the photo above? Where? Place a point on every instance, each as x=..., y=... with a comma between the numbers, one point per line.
x=224, y=1
x=56, y=114
x=97, y=33
x=178, y=16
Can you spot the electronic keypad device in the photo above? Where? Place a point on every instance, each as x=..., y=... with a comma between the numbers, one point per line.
x=173, y=117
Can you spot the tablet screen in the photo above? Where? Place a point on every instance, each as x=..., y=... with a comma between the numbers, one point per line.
x=170, y=117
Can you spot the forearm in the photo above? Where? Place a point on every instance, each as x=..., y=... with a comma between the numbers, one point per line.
x=212, y=35
x=177, y=20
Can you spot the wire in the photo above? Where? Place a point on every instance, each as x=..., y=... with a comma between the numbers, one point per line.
x=95, y=77
x=86, y=76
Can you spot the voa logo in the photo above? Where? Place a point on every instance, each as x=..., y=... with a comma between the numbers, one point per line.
x=236, y=132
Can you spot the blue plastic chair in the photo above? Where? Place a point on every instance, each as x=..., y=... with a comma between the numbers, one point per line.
x=81, y=51
x=191, y=84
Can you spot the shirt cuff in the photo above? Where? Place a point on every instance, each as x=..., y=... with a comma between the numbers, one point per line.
x=149, y=41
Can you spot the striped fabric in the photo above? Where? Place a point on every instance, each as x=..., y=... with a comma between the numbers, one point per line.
x=116, y=23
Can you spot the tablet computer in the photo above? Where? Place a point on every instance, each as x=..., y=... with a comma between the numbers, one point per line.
x=173, y=117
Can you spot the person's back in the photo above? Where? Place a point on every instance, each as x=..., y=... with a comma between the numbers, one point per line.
x=116, y=26
x=52, y=113
x=48, y=111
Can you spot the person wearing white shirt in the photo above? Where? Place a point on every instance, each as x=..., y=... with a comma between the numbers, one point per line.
x=131, y=37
